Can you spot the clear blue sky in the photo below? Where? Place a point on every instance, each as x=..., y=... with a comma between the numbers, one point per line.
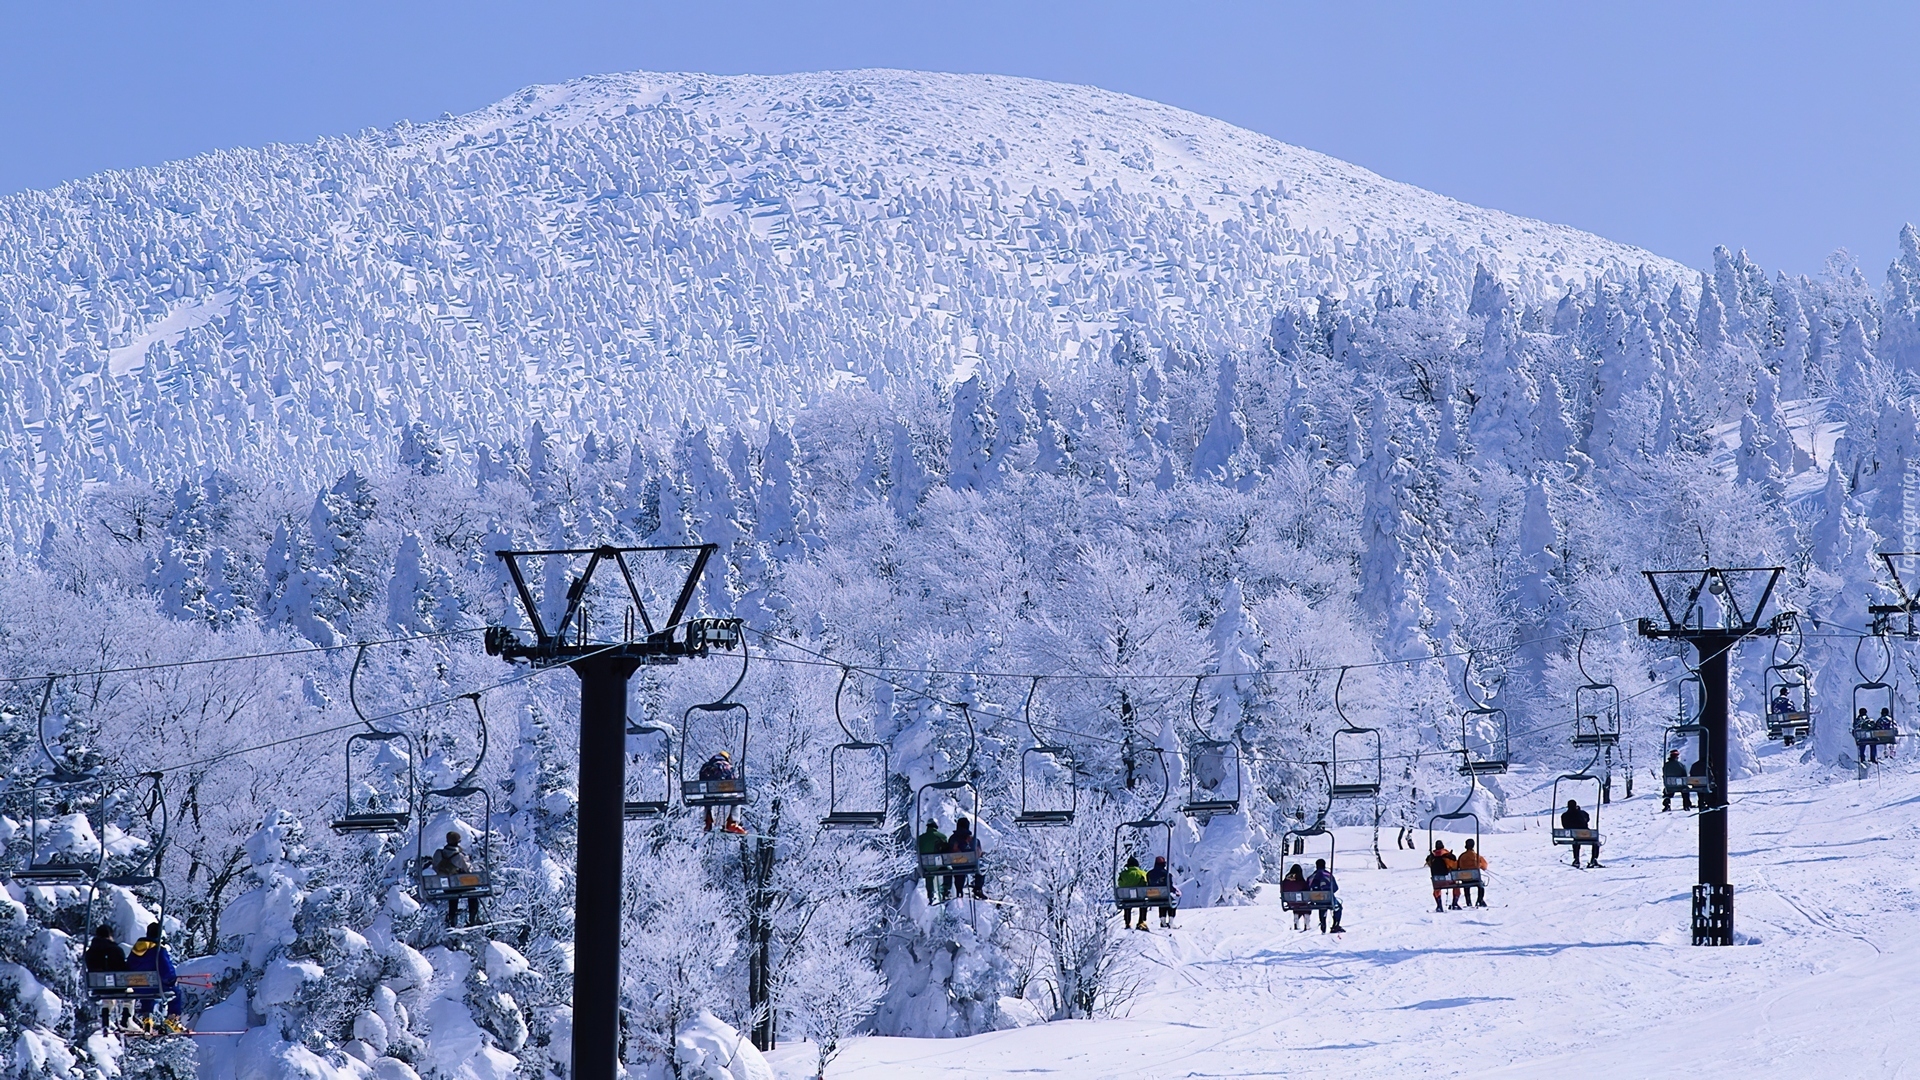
x=1790, y=130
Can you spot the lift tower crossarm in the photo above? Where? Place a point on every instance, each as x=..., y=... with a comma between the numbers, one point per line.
x=604, y=667
x=1713, y=638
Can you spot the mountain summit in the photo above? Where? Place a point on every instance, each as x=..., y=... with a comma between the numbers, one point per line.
x=634, y=252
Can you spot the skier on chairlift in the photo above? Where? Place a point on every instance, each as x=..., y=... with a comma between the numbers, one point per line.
x=1781, y=702
x=1132, y=877
x=1471, y=859
x=932, y=841
x=963, y=840
x=1323, y=879
x=449, y=861
x=720, y=767
x=1673, y=775
x=1296, y=882
x=150, y=954
x=1162, y=877
x=1575, y=818
x=105, y=954
x=1440, y=866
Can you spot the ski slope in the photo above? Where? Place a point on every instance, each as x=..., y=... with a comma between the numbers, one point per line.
x=1568, y=973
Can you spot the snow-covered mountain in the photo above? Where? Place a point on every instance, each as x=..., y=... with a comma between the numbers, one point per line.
x=631, y=253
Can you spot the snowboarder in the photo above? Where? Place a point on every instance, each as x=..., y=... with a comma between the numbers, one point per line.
x=105, y=954
x=1296, y=882
x=963, y=840
x=1440, y=867
x=1162, y=877
x=1673, y=777
x=150, y=954
x=450, y=861
x=1132, y=877
x=1323, y=879
x=720, y=767
x=1469, y=859
x=934, y=842
x=1575, y=818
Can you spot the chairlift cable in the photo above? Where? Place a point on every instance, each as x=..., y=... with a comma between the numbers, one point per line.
x=169, y=664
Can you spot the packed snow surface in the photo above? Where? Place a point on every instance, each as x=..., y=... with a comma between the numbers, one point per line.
x=1569, y=973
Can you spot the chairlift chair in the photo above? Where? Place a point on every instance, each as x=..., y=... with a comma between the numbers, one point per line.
x=1132, y=897
x=1591, y=834
x=1494, y=759
x=372, y=813
x=434, y=886
x=1596, y=714
x=1036, y=813
x=645, y=800
x=1796, y=683
x=1219, y=791
x=728, y=791
x=1874, y=731
x=130, y=988
x=1456, y=878
x=1362, y=778
x=1308, y=899
x=1696, y=783
x=854, y=814
x=44, y=865
x=935, y=865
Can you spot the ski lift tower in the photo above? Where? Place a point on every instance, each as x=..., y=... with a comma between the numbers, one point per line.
x=1897, y=618
x=605, y=653
x=1704, y=609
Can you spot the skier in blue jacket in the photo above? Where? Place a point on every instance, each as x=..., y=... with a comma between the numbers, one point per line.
x=150, y=954
x=1322, y=879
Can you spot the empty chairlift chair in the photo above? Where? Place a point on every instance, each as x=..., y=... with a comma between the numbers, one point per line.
x=384, y=802
x=1049, y=797
x=1485, y=736
x=649, y=791
x=1357, y=773
x=63, y=848
x=1213, y=769
x=1596, y=714
x=857, y=772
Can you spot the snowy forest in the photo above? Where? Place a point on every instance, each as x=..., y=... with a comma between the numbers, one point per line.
x=1088, y=466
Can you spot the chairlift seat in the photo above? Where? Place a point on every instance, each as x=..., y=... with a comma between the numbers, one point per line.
x=437, y=886
x=1355, y=791
x=1308, y=900
x=1142, y=896
x=1576, y=836
x=1483, y=768
x=123, y=985
x=1782, y=724
x=53, y=874
x=1470, y=876
x=1876, y=736
x=1674, y=785
x=1032, y=819
x=372, y=823
x=1597, y=738
x=636, y=810
x=949, y=862
x=1210, y=807
x=728, y=792
x=854, y=819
